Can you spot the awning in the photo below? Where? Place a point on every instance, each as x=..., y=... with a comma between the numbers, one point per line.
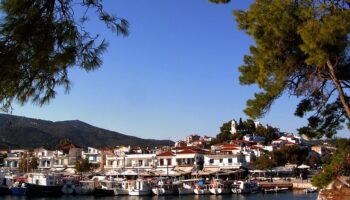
x=129, y=172
x=183, y=170
x=113, y=172
x=303, y=166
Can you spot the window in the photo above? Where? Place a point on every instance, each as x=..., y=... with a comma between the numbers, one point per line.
x=161, y=162
x=211, y=161
x=230, y=160
x=140, y=162
x=221, y=160
x=168, y=161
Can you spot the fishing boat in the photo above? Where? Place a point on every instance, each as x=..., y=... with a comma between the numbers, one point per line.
x=244, y=187
x=217, y=186
x=276, y=189
x=19, y=188
x=43, y=184
x=122, y=188
x=105, y=188
x=311, y=190
x=68, y=185
x=6, y=181
x=139, y=188
x=201, y=188
x=85, y=187
x=163, y=188
x=187, y=186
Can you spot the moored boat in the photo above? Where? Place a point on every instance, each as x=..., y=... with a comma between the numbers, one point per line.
x=311, y=190
x=164, y=189
x=139, y=188
x=42, y=184
x=187, y=186
x=85, y=187
x=6, y=182
x=219, y=187
x=201, y=188
x=18, y=188
x=244, y=187
x=69, y=184
x=276, y=190
x=121, y=188
x=105, y=188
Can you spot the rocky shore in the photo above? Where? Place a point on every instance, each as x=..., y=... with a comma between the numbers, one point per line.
x=337, y=190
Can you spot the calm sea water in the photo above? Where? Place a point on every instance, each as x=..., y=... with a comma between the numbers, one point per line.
x=296, y=195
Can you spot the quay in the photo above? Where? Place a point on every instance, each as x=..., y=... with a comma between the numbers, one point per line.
x=294, y=184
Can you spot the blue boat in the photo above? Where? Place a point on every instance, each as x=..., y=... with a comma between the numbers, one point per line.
x=20, y=191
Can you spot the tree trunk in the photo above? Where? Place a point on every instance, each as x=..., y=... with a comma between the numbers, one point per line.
x=339, y=88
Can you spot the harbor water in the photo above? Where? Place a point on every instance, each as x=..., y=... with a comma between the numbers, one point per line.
x=290, y=195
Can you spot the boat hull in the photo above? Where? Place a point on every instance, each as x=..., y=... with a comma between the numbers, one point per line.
x=4, y=190
x=121, y=191
x=201, y=191
x=20, y=191
x=41, y=190
x=83, y=190
x=139, y=192
x=219, y=191
x=68, y=189
x=276, y=190
x=104, y=192
x=183, y=191
x=162, y=191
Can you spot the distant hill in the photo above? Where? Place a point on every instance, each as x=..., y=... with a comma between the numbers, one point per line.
x=23, y=132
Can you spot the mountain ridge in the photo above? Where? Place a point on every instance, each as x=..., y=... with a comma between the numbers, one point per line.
x=14, y=132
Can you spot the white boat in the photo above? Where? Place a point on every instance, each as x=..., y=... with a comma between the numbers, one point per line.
x=276, y=189
x=140, y=188
x=122, y=188
x=201, y=189
x=164, y=189
x=311, y=190
x=105, y=188
x=187, y=186
x=244, y=187
x=85, y=187
x=44, y=184
x=218, y=187
x=6, y=181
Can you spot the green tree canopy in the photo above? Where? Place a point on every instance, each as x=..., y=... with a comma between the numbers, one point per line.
x=338, y=166
x=40, y=40
x=301, y=47
x=83, y=165
x=225, y=134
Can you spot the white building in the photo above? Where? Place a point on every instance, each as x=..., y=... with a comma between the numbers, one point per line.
x=140, y=161
x=45, y=157
x=166, y=159
x=225, y=161
x=93, y=155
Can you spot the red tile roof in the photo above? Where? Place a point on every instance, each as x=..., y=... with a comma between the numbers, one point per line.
x=192, y=151
x=166, y=153
x=229, y=149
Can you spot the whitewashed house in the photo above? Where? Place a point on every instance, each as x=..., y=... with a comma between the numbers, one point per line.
x=140, y=161
x=12, y=160
x=45, y=157
x=115, y=162
x=166, y=159
x=224, y=161
x=93, y=155
x=189, y=158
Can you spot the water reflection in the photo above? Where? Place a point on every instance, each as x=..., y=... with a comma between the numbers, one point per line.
x=259, y=196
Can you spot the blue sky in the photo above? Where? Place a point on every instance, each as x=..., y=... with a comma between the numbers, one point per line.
x=176, y=74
